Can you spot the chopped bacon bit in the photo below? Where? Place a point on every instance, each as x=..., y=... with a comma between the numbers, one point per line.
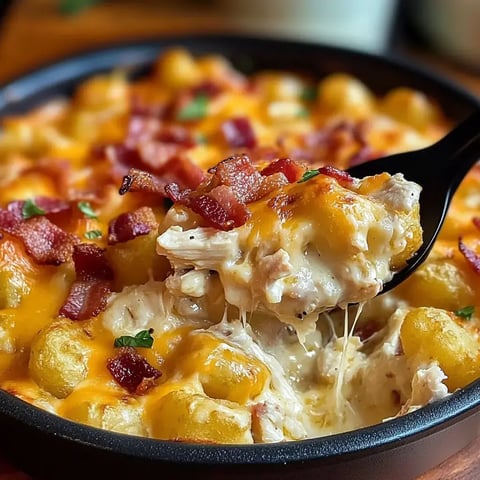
x=222, y=201
x=238, y=173
x=476, y=222
x=155, y=156
x=220, y=208
x=177, y=135
x=132, y=371
x=341, y=176
x=175, y=194
x=47, y=204
x=130, y=225
x=9, y=221
x=263, y=154
x=470, y=256
x=88, y=294
x=178, y=170
x=271, y=183
x=91, y=263
x=141, y=181
x=292, y=170
x=86, y=300
x=141, y=128
x=238, y=132
x=46, y=243
x=139, y=108
x=184, y=172
x=364, y=154
x=342, y=144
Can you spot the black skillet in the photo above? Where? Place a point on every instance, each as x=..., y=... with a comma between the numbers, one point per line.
x=50, y=447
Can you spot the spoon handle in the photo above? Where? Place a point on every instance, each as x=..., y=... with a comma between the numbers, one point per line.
x=459, y=164
x=466, y=132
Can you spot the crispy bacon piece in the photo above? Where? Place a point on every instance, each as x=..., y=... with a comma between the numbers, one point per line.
x=220, y=208
x=234, y=183
x=141, y=181
x=130, y=225
x=91, y=263
x=176, y=134
x=343, y=144
x=178, y=170
x=364, y=154
x=292, y=170
x=184, y=172
x=132, y=371
x=238, y=132
x=470, y=256
x=46, y=243
x=88, y=294
x=47, y=204
x=240, y=175
x=85, y=300
x=342, y=177
x=138, y=107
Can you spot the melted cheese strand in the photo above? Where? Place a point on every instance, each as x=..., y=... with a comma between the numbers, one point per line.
x=347, y=335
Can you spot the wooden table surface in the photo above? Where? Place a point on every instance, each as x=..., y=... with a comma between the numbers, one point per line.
x=34, y=32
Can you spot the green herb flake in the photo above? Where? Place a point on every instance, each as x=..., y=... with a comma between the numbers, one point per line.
x=195, y=110
x=308, y=175
x=31, y=209
x=93, y=234
x=72, y=7
x=309, y=94
x=142, y=339
x=303, y=112
x=86, y=209
x=465, y=312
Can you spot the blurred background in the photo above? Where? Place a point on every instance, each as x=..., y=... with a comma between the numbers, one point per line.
x=442, y=34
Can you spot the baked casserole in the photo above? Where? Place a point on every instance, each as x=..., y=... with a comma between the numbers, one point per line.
x=184, y=257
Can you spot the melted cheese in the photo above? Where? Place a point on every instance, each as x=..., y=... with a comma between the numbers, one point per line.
x=308, y=248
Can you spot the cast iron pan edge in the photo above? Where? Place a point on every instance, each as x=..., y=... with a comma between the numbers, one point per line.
x=52, y=447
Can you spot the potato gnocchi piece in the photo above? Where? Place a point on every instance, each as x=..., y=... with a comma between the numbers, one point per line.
x=431, y=334
x=59, y=357
x=224, y=371
x=181, y=415
x=343, y=94
x=135, y=262
x=122, y=414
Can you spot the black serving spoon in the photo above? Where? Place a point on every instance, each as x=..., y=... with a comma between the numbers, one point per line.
x=438, y=169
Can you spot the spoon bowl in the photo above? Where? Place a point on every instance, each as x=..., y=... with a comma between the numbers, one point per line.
x=439, y=170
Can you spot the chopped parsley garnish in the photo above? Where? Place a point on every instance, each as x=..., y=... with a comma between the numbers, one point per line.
x=195, y=110
x=31, y=209
x=72, y=7
x=308, y=175
x=309, y=94
x=465, y=312
x=86, y=209
x=142, y=339
x=303, y=112
x=93, y=234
